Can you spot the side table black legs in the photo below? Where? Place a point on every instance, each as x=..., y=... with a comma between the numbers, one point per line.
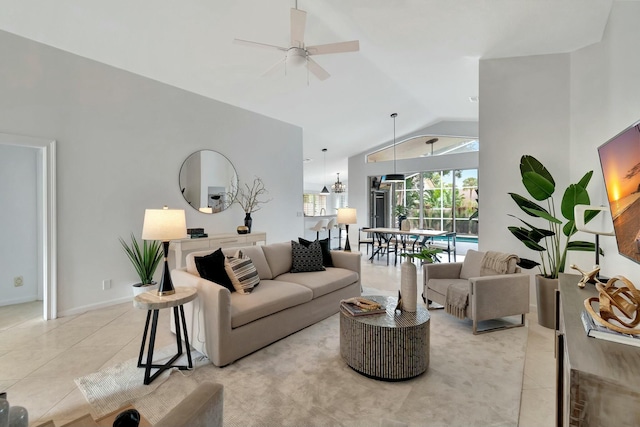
x=153, y=303
x=181, y=327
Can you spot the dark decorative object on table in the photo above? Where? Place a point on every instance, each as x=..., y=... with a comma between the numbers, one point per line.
x=128, y=418
x=247, y=221
x=242, y=229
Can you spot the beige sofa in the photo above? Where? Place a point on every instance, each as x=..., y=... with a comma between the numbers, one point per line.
x=490, y=294
x=227, y=325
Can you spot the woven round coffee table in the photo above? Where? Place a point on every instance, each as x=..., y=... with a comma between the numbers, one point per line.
x=390, y=346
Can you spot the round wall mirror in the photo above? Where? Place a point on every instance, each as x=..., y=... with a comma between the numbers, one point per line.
x=208, y=181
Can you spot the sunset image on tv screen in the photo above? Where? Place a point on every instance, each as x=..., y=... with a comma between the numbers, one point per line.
x=620, y=160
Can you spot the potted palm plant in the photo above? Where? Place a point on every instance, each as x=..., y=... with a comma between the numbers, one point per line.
x=553, y=239
x=145, y=259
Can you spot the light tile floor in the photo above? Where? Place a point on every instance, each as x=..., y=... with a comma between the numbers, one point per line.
x=39, y=360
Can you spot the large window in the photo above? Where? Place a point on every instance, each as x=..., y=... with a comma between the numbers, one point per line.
x=314, y=204
x=444, y=200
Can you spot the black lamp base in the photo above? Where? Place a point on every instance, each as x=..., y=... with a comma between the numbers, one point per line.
x=166, y=285
x=347, y=246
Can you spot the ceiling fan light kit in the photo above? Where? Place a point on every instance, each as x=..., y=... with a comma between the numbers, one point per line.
x=297, y=54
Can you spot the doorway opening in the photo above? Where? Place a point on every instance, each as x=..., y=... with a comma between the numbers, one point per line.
x=45, y=217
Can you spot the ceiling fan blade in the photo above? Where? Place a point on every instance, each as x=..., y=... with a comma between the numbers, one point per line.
x=298, y=23
x=322, y=49
x=275, y=67
x=261, y=45
x=317, y=70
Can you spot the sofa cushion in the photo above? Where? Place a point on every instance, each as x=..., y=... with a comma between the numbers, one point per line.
x=304, y=258
x=327, y=261
x=472, y=264
x=257, y=257
x=278, y=256
x=322, y=282
x=268, y=298
x=211, y=267
x=241, y=272
x=440, y=285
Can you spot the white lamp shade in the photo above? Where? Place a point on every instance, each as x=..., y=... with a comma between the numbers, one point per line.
x=164, y=224
x=347, y=216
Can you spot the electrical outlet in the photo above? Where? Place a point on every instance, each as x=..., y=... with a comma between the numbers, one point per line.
x=18, y=281
x=106, y=284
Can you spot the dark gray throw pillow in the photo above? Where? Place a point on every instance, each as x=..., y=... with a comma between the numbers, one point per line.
x=211, y=267
x=306, y=259
x=327, y=261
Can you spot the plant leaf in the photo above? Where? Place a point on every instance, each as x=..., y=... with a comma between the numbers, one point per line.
x=574, y=195
x=538, y=186
x=542, y=214
x=536, y=178
x=522, y=234
x=580, y=245
x=536, y=233
x=569, y=229
x=527, y=263
x=584, y=181
x=523, y=203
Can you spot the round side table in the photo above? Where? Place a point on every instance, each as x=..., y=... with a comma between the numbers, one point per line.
x=389, y=346
x=152, y=302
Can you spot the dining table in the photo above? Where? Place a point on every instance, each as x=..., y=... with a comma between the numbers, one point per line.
x=387, y=236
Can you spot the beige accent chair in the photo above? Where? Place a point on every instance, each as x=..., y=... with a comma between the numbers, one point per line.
x=480, y=288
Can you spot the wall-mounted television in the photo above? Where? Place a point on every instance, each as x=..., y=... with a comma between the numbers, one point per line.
x=620, y=162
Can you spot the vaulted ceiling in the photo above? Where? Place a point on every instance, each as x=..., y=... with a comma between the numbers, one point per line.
x=418, y=58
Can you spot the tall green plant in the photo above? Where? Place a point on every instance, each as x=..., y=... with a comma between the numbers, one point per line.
x=145, y=259
x=554, y=241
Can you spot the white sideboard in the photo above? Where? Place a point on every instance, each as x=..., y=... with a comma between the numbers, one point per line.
x=222, y=240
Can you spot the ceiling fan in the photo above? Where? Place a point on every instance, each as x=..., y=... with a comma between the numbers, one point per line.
x=297, y=53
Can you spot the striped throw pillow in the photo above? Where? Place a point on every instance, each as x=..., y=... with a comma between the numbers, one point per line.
x=242, y=272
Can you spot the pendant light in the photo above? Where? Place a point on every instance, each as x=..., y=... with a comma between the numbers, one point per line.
x=394, y=177
x=324, y=173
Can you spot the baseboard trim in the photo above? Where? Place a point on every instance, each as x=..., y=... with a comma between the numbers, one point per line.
x=20, y=300
x=90, y=307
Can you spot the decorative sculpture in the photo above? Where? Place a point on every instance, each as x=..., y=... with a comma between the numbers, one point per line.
x=590, y=276
x=625, y=299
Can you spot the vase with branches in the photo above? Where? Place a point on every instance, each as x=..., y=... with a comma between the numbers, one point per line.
x=251, y=198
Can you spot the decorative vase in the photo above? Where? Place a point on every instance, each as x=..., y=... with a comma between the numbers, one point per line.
x=546, y=300
x=409, y=286
x=248, y=221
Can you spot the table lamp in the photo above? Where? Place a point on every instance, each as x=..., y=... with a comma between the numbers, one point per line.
x=347, y=216
x=164, y=224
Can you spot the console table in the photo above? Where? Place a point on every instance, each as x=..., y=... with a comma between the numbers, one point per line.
x=214, y=241
x=598, y=381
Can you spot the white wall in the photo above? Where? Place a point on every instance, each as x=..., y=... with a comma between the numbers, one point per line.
x=559, y=108
x=121, y=141
x=18, y=224
x=605, y=89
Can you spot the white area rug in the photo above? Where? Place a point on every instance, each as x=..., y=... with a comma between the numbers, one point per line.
x=472, y=380
x=112, y=388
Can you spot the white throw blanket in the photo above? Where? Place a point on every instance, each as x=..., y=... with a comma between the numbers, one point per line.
x=457, y=299
x=496, y=263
